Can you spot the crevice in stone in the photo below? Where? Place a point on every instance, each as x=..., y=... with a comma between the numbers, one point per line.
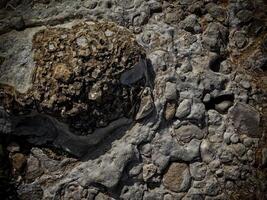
x=215, y=63
x=211, y=104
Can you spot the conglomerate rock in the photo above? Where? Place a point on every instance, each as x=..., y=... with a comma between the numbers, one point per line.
x=79, y=70
x=84, y=84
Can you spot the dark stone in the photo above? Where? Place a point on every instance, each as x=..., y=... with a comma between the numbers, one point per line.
x=246, y=120
x=30, y=191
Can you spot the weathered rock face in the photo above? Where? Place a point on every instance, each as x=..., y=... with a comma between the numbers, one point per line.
x=78, y=74
x=246, y=120
x=177, y=177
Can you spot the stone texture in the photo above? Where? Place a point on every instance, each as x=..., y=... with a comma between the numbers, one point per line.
x=188, y=132
x=177, y=177
x=246, y=120
x=109, y=129
x=184, y=108
x=18, y=160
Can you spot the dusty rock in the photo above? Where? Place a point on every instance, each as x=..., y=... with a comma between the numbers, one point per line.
x=184, y=108
x=177, y=177
x=198, y=171
x=188, y=132
x=18, y=161
x=33, y=169
x=146, y=105
x=223, y=106
x=232, y=172
x=197, y=111
x=149, y=170
x=190, y=24
x=246, y=120
x=215, y=37
x=101, y=81
x=134, y=192
x=170, y=110
x=30, y=191
x=101, y=196
x=170, y=91
x=207, y=154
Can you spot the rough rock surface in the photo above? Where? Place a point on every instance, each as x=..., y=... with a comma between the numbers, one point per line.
x=155, y=99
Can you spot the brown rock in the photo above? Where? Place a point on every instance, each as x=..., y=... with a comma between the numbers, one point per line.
x=79, y=70
x=18, y=160
x=177, y=177
x=61, y=72
x=186, y=133
x=33, y=168
x=170, y=110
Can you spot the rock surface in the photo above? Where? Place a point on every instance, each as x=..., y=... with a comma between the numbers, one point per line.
x=123, y=99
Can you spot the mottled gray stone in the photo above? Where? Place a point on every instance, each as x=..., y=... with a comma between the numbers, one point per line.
x=232, y=172
x=198, y=170
x=234, y=138
x=207, y=154
x=244, y=16
x=17, y=68
x=188, y=132
x=184, y=108
x=240, y=39
x=170, y=91
x=246, y=120
x=190, y=24
x=239, y=149
x=134, y=192
x=155, y=194
x=214, y=118
x=161, y=161
x=146, y=105
x=187, y=152
x=135, y=170
x=212, y=187
x=33, y=169
x=215, y=37
x=197, y=111
x=223, y=106
x=102, y=196
x=217, y=12
x=227, y=155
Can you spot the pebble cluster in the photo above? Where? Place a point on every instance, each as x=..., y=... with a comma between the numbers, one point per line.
x=200, y=131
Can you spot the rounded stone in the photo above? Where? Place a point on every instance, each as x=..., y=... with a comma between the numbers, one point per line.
x=184, y=108
x=177, y=178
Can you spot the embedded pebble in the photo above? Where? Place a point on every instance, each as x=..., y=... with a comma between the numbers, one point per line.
x=184, y=108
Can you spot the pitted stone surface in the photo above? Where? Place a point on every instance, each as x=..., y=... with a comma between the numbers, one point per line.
x=197, y=129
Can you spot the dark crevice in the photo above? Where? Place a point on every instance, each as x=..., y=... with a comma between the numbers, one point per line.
x=211, y=104
x=215, y=63
x=263, y=65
